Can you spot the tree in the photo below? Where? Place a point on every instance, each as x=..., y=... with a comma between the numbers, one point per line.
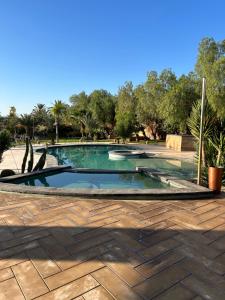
x=57, y=110
x=90, y=125
x=216, y=87
x=41, y=114
x=125, y=111
x=211, y=65
x=177, y=102
x=43, y=122
x=78, y=110
x=102, y=107
x=2, y=119
x=27, y=122
x=125, y=125
x=149, y=96
x=80, y=102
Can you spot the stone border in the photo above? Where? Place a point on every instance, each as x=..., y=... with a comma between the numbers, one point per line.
x=27, y=175
x=51, y=160
x=122, y=154
x=183, y=189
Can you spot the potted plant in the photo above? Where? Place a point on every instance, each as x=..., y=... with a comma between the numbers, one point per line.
x=213, y=150
x=216, y=168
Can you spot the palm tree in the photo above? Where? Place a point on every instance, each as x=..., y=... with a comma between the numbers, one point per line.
x=26, y=120
x=57, y=110
x=39, y=107
x=39, y=110
x=12, y=120
x=90, y=124
x=40, y=114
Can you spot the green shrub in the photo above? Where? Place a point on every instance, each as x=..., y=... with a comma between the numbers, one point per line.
x=5, y=141
x=125, y=125
x=7, y=172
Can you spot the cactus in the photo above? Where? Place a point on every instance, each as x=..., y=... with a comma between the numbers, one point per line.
x=31, y=161
x=25, y=156
x=40, y=164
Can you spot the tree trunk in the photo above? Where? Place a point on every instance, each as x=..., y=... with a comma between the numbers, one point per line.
x=56, y=130
x=154, y=129
x=144, y=134
x=203, y=155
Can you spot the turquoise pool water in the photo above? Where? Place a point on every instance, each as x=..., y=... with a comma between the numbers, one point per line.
x=93, y=181
x=96, y=157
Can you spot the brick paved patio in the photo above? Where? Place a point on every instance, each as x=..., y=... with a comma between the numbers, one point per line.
x=61, y=248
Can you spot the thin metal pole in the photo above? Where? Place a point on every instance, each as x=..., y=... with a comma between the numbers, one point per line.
x=201, y=131
x=33, y=127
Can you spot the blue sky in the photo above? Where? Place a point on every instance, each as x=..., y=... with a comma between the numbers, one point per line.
x=51, y=49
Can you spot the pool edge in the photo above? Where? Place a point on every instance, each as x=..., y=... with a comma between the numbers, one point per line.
x=183, y=189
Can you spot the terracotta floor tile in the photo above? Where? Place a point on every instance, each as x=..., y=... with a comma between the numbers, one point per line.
x=162, y=281
x=159, y=263
x=159, y=248
x=78, y=258
x=45, y=266
x=9, y=290
x=177, y=292
x=122, y=269
x=29, y=280
x=71, y=290
x=114, y=285
x=73, y=273
x=64, y=248
x=98, y=293
x=204, y=289
x=13, y=260
x=6, y=274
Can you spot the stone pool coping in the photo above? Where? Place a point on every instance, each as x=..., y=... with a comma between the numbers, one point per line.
x=182, y=189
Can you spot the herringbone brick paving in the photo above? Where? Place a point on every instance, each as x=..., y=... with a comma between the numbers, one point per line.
x=63, y=248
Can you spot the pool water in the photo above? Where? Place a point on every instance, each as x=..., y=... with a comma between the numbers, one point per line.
x=96, y=157
x=93, y=181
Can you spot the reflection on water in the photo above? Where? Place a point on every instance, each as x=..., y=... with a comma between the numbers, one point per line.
x=96, y=157
x=176, y=163
x=93, y=181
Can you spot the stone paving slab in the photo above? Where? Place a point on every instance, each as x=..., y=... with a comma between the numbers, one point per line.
x=65, y=248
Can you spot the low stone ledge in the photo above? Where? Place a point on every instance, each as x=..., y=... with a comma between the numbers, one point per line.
x=182, y=189
x=180, y=142
x=30, y=174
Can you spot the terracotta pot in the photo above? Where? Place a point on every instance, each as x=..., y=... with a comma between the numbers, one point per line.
x=215, y=178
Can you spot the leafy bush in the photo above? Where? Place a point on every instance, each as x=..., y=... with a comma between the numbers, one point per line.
x=7, y=172
x=125, y=125
x=5, y=141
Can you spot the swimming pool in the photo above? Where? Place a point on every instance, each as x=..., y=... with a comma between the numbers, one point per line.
x=87, y=171
x=97, y=157
x=76, y=180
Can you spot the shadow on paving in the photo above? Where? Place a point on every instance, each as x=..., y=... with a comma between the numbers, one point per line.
x=125, y=244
